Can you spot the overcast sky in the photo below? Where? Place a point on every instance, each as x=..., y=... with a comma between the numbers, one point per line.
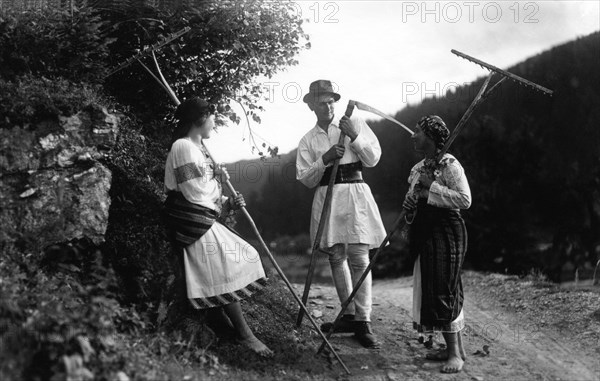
x=390, y=53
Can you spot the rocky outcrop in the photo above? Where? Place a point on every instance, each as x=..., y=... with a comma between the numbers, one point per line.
x=53, y=187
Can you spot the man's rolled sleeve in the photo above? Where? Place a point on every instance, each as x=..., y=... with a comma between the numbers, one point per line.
x=308, y=173
x=366, y=145
x=359, y=144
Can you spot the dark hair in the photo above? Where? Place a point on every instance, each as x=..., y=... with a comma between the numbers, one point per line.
x=192, y=111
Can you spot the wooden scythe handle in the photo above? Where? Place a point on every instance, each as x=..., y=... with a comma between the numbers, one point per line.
x=481, y=96
x=398, y=223
x=324, y=217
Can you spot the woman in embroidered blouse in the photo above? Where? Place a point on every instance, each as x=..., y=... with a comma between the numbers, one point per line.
x=220, y=267
x=438, y=241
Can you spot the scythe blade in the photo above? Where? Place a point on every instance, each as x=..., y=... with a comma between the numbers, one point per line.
x=365, y=107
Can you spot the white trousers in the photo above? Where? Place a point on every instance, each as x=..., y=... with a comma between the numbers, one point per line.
x=348, y=263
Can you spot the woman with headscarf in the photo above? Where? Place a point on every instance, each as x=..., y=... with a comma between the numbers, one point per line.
x=220, y=267
x=438, y=240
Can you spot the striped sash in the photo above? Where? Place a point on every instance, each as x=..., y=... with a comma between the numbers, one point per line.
x=186, y=222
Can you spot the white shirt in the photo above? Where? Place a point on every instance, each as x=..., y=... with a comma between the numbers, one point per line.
x=354, y=215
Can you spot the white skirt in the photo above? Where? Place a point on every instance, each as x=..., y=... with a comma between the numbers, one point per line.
x=221, y=268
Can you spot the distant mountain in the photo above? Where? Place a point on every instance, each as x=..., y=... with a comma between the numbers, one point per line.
x=279, y=204
x=533, y=164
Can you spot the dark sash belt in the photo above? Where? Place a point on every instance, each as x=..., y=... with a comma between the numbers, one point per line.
x=346, y=174
x=186, y=222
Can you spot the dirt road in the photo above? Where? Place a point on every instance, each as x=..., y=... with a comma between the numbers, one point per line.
x=518, y=350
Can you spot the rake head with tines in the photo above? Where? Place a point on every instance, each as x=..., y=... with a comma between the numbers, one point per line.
x=514, y=77
x=148, y=50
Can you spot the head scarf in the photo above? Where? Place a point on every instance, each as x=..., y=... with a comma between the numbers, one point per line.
x=434, y=127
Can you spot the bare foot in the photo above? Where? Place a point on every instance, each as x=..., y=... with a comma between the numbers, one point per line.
x=257, y=346
x=453, y=365
x=442, y=355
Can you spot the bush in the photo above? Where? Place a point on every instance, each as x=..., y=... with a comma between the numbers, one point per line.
x=53, y=314
x=63, y=320
x=51, y=43
x=230, y=44
x=28, y=99
x=135, y=240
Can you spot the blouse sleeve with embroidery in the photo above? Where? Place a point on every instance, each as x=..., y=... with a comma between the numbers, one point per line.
x=451, y=188
x=191, y=173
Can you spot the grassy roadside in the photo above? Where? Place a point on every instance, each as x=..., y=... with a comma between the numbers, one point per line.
x=570, y=313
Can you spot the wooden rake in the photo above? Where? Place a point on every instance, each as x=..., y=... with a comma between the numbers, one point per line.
x=405, y=215
x=165, y=85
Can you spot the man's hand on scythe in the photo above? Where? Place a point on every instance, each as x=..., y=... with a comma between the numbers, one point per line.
x=348, y=128
x=334, y=153
x=425, y=180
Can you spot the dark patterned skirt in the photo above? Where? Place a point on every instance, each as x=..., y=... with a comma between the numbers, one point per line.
x=438, y=241
x=186, y=222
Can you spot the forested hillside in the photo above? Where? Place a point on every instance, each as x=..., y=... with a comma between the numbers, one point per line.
x=533, y=163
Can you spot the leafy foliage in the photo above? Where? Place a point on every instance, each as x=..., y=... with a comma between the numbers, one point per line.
x=53, y=44
x=28, y=99
x=63, y=320
x=94, y=315
x=230, y=45
x=50, y=310
x=136, y=244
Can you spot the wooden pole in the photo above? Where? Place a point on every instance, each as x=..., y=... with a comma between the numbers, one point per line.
x=481, y=95
x=325, y=212
x=278, y=269
x=262, y=242
x=347, y=302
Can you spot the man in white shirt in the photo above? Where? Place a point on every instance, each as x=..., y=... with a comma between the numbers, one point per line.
x=354, y=225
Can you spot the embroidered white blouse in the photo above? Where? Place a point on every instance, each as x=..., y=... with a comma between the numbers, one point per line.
x=450, y=188
x=354, y=215
x=190, y=171
x=220, y=262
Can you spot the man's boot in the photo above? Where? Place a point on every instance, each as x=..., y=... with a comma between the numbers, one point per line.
x=364, y=334
x=345, y=325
